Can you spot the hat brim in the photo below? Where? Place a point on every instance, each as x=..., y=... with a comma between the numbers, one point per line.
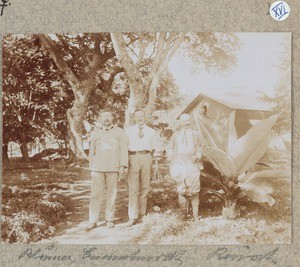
x=178, y=164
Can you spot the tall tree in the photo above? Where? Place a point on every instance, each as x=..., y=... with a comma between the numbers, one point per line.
x=79, y=59
x=31, y=92
x=145, y=57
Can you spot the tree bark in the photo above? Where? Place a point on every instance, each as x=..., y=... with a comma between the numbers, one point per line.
x=5, y=157
x=75, y=116
x=137, y=91
x=167, y=56
x=24, y=148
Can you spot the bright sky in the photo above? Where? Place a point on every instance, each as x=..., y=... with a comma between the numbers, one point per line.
x=257, y=69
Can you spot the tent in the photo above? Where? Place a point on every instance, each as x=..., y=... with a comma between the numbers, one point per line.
x=223, y=122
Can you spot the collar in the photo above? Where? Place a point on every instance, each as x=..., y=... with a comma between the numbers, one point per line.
x=143, y=126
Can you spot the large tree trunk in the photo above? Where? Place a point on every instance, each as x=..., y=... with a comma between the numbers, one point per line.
x=137, y=91
x=75, y=117
x=5, y=157
x=135, y=102
x=167, y=45
x=80, y=88
x=24, y=148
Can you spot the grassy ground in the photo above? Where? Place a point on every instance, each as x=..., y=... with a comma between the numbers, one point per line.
x=44, y=204
x=33, y=205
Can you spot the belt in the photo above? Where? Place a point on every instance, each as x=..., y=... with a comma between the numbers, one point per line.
x=139, y=152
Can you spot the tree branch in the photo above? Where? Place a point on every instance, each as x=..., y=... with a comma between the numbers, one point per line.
x=162, y=67
x=143, y=46
x=100, y=59
x=130, y=68
x=65, y=70
x=156, y=61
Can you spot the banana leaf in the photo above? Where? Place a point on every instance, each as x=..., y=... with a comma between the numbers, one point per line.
x=259, y=185
x=211, y=132
x=221, y=161
x=248, y=149
x=256, y=154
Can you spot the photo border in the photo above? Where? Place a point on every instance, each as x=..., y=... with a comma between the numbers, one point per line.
x=154, y=16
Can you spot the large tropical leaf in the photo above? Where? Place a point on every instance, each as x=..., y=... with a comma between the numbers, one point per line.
x=212, y=133
x=221, y=161
x=255, y=155
x=259, y=185
x=248, y=149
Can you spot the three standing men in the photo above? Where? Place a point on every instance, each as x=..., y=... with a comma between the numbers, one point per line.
x=108, y=156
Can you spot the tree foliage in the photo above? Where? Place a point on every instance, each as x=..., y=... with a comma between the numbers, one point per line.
x=281, y=102
x=34, y=97
x=53, y=82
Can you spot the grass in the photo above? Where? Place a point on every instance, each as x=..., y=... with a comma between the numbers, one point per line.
x=35, y=207
x=31, y=208
x=170, y=226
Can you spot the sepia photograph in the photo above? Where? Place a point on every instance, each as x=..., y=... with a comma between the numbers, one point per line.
x=144, y=138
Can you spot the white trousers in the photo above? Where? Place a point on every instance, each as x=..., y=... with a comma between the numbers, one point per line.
x=103, y=182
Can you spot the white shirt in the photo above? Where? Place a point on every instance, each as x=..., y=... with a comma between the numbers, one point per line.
x=148, y=142
x=185, y=143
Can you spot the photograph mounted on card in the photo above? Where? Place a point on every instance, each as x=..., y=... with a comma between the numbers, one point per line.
x=153, y=138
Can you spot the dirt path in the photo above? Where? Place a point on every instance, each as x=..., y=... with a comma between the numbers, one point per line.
x=100, y=235
x=79, y=191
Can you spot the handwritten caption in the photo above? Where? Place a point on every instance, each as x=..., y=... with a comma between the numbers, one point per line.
x=94, y=254
x=225, y=254
x=3, y=4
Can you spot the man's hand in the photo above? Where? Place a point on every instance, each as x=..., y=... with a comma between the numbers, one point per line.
x=121, y=173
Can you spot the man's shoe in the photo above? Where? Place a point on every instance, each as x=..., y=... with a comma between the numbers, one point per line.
x=90, y=226
x=131, y=222
x=141, y=217
x=110, y=224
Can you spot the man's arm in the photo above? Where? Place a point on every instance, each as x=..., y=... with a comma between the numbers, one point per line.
x=123, y=154
x=92, y=150
x=171, y=148
x=199, y=145
x=123, y=149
